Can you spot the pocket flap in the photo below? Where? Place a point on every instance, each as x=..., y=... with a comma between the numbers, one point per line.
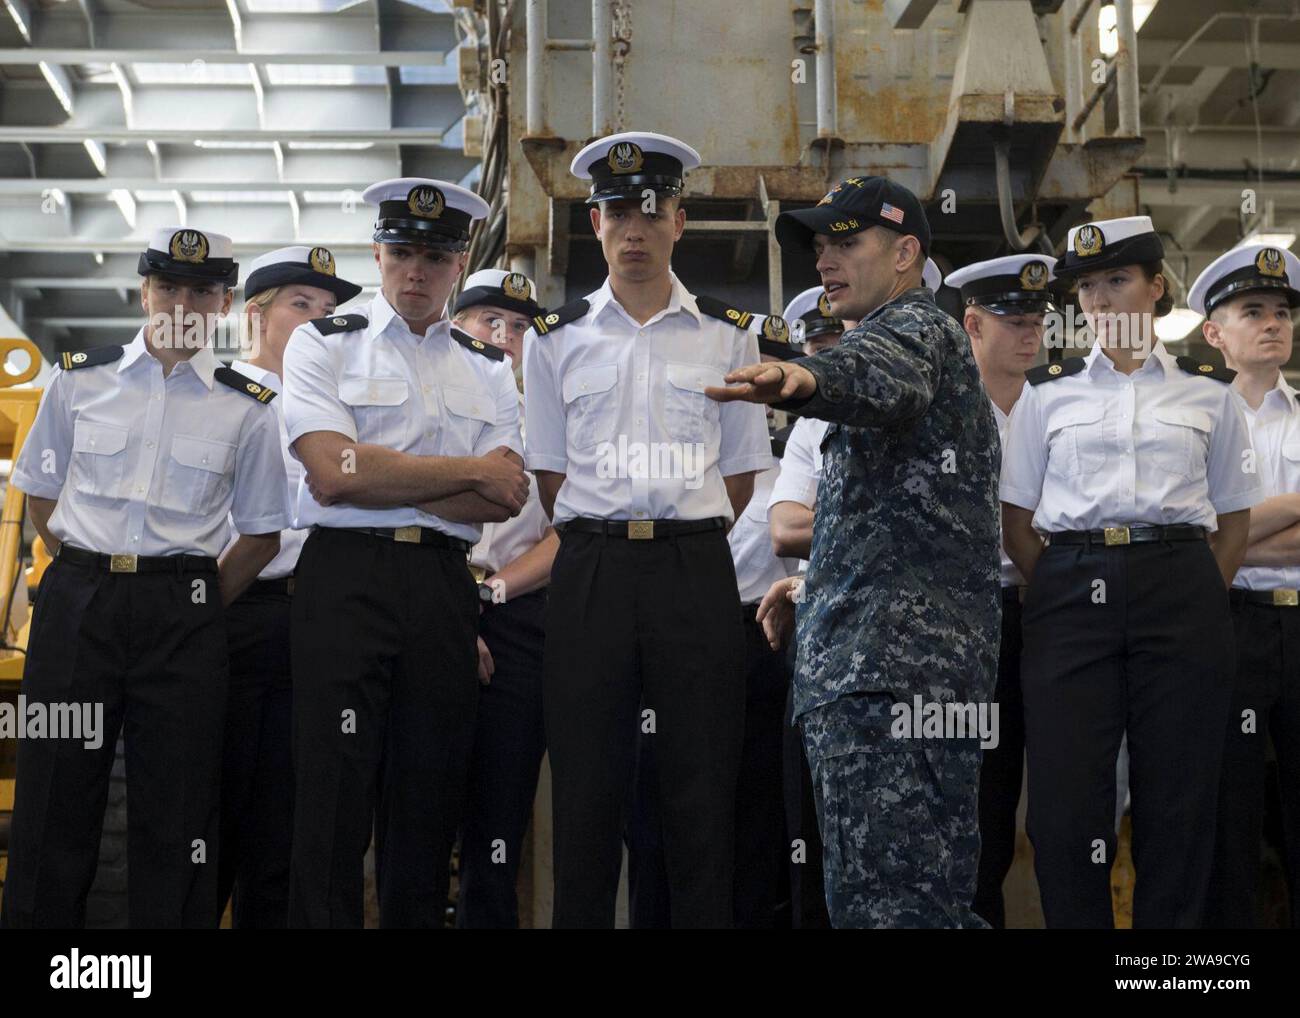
x=1291, y=451
x=589, y=380
x=101, y=439
x=1183, y=417
x=358, y=391
x=469, y=403
x=1080, y=413
x=203, y=453
x=693, y=377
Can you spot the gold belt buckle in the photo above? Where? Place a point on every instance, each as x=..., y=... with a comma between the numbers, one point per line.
x=641, y=530
x=122, y=563
x=479, y=573
x=411, y=535
x=1285, y=597
x=1116, y=535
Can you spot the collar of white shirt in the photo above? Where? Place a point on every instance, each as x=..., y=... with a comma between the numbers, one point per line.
x=203, y=362
x=1281, y=399
x=258, y=374
x=382, y=315
x=679, y=299
x=1097, y=361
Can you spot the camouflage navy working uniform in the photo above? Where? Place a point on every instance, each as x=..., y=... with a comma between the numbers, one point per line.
x=901, y=599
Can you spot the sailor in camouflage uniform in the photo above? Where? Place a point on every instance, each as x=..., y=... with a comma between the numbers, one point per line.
x=901, y=597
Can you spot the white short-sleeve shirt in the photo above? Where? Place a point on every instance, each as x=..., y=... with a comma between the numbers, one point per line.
x=619, y=408
x=757, y=566
x=380, y=384
x=1098, y=448
x=1275, y=433
x=291, y=540
x=146, y=465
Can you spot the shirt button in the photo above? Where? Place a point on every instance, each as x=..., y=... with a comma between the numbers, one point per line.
x=640, y=420
x=139, y=488
x=639, y=513
x=149, y=444
x=136, y=537
x=640, y=378
x=205, y=459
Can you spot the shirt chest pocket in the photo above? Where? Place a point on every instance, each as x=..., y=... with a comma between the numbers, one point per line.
x=1080, y=439
x=1180, y=440
x=591, y=404
x=379, y=407
x=469, y=412
x=689, y=415
x=99, y=458
x=197, y=476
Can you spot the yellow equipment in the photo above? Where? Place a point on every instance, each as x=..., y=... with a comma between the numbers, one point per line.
x=17, y=412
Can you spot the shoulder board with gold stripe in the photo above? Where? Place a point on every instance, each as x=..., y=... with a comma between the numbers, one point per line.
x=340, y=323
x=1194, y=367
x=715, y=308
x=1057, y=369
x=71, y=360
x=489, y=351
x=560, y=316
x=242, y=383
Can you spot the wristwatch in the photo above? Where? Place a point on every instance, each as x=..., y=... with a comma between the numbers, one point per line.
x=485, y=593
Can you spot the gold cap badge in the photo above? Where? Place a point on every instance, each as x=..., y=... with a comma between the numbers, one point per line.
x=1088, y=241
x=189, y=246
x=425, y=201
x=321, y=260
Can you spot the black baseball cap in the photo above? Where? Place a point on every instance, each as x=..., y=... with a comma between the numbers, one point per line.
x=854, y=205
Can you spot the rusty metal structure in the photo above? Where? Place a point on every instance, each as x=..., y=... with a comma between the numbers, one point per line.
x=1003, y=116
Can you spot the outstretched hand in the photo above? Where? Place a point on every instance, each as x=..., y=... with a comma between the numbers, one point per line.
x=765, y=383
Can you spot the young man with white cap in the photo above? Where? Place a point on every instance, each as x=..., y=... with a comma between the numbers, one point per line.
x=137, y=458
x=512, y=565
x=408, y=430
x=1005, y=301
x=901, y=595
x=284, y=288
x=1132, y=463
x=1248, y=297
x=642, y=476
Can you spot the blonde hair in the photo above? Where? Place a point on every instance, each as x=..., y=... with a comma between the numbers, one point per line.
x=263, y=300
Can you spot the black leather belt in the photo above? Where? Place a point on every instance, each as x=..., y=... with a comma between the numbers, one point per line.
x=641, y=530
x=1282, y=597
x=411, y=535
x=1012, y=594
x=282, y=585
x=136, y=563
x=1116, y=536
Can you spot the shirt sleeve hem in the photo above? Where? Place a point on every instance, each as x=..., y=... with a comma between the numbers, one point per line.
x=28, y=485
x=1231, y=505
x=745, y=464
x=554, y=464
x=1016, y=497
x=310, y=424
x=263, y=524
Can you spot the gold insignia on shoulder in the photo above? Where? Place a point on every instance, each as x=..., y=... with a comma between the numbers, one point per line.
x=625, y=157
x=477, y=344
x=321, y=260
x=425, y=201
x=516, y=286
x=1089, y=241
x=1270, y=262
x=733, y=314
x=552, y=318
x=1054, y=369
x=1205, y=368
x=189, y=246
x=824, y=305
x=253, y=387
x=775, y=329
x=1034, y=276
x=340, y=321
x=78, y=358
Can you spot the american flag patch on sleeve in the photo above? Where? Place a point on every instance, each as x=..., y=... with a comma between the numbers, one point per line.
x=894, y=215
